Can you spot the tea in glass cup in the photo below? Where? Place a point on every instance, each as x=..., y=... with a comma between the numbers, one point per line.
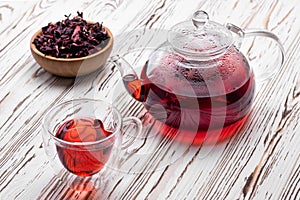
x=82, y=138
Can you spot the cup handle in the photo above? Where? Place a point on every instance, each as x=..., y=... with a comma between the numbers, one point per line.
x=263, y=33
x=136, y=122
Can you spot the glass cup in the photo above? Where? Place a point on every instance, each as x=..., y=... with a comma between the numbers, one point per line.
x=83, y=137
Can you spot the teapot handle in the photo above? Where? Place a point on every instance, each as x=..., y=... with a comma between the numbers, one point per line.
x=263, y=33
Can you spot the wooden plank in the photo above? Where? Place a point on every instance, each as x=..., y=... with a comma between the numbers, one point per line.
x=260, y=163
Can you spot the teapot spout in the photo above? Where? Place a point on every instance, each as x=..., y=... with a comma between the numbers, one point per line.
x=135, y=86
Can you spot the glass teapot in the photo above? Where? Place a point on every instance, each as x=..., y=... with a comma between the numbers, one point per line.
x=198, y=79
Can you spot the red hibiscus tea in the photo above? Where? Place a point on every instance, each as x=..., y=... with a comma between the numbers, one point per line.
x=205, y=101
x=90, y=157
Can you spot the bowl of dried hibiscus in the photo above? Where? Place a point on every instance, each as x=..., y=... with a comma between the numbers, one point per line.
x=72, y=47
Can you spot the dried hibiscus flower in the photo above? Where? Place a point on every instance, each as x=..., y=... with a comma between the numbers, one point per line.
x=71, y=38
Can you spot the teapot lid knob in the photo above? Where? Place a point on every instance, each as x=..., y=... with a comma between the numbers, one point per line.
x=200, y=18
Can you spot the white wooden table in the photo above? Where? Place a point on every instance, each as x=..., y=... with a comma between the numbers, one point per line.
x=261, y=162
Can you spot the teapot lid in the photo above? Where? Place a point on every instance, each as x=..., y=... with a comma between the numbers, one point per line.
x=200, y=37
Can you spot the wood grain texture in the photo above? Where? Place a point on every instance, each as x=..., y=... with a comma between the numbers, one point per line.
x=262, y=162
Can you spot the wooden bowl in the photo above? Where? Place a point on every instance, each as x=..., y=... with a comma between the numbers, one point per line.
x=71, y=67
